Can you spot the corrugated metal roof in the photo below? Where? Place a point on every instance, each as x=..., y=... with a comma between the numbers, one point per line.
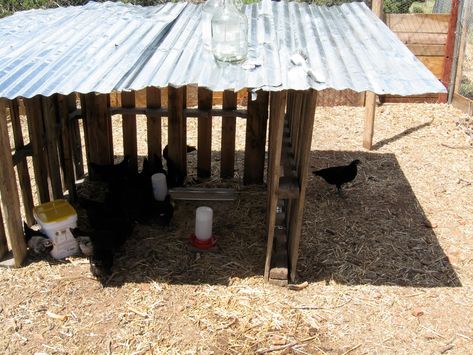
x=105, y=47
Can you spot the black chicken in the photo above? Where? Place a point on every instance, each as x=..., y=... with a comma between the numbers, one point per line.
x=339, y=175
x=175, y=177
x=37, y=241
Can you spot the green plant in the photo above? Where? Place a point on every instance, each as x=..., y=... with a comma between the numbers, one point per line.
x=397, y=6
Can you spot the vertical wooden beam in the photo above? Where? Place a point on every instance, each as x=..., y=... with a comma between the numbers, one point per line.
x=66, y=151
x=255, y=144
x=204, y=148
x=153, y=100
x=130, y=146
x=370, y=111
x=22, y=167
x=3, y=236
x=449, y=49
x=303, y=151
x=370, y=97
x=177, y=128
x=227, y=159
x=9, y=193
x=76, y=142
x=50, y=126
x=276, y=128
x=36, y=130
x=98, y=128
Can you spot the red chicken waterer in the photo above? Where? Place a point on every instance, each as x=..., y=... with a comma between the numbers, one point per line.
x=203, y=238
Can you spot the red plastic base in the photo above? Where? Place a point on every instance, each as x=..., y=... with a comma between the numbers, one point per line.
x=202, y=244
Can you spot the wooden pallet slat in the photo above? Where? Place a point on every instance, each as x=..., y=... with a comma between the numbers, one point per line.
x=76, y=143
x=177, y=128
x=22, y=165
x=204, y=146
x=9, y=193
x=50, y=124
x=66, y=145
x=36, y=131
x=153, y=123
x=255, y=144
x=277, y=111
x=130, y=145
x=227, y=151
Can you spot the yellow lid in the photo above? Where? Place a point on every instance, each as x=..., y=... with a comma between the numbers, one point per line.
x=54, y=211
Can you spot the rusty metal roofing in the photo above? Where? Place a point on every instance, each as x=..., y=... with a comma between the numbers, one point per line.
x=106, y=47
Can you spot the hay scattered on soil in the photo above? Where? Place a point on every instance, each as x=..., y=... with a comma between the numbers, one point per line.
x=389, y=266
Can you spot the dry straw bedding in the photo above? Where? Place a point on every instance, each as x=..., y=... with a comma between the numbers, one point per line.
x=389, y=266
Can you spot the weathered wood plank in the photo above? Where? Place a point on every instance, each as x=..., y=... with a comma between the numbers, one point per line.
x=419, y=23
x=434, y=64
x=449, y=49
x=227, y=159
x=429, y=50
x=255, y=144
x=204, y=146
x=370, y=112
x=153, y=101
x=76, y=143
x=422, y=38
x=36, y=132
x=67, y=155
x=97, y=129
x=177, y=128
x=463, y=103
x=276, y=122
x=9, y=192
x=22, y=166
x=50, y=124
x=130, y=145
x=279, y=261
x=295, y=223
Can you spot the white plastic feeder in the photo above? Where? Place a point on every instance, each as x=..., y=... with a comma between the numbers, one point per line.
x=160, y=186
x=203, y=223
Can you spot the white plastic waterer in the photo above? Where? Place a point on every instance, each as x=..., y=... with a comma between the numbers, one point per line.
x=203, y=223
x=160, y=186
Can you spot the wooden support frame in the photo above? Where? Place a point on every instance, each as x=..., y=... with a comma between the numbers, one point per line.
x=76, y=144
x=9, y=193
x=130, y=144
x=36, y=131
x=227, y=161
x=204, y=144
x=276, y=129
x=22, y=164
x=255, y=144
x=153, y=123
x=302, y=153
x=177, y=129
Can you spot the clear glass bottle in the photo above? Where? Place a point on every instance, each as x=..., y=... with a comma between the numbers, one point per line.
x=229, y=33
x=208, y=10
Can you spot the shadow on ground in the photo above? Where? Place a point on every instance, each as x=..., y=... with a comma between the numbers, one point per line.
x=376, y=234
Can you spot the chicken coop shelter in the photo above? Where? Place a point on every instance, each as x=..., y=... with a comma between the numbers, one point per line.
x=49, y=58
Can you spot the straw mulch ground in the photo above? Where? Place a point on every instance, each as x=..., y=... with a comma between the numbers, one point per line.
x=389, y=266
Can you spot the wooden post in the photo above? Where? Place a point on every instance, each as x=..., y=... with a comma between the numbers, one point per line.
x=3, y=236
x=76, y=143
x=276, y=123
x=177, y=128
x=227, y=159
x=130, y=146
x=98, y=128
x=153, y=100
x=22, y=167
x=302, y=155
x=50, y=120
x=66, y=151
x=255, y=144
x=36, y=131
x=370, y=97
x=9, y=193
x=370, y=111
x=204, y=148
x=449, y=49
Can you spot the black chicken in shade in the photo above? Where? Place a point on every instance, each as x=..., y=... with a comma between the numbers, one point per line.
x=339, y=175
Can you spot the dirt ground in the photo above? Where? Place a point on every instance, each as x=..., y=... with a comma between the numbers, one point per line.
x=389, y=266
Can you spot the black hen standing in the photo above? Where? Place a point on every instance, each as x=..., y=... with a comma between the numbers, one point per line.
x=175, y=177
x=339, y=175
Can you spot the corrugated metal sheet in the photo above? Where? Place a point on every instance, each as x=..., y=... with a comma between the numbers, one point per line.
x=105, y=47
